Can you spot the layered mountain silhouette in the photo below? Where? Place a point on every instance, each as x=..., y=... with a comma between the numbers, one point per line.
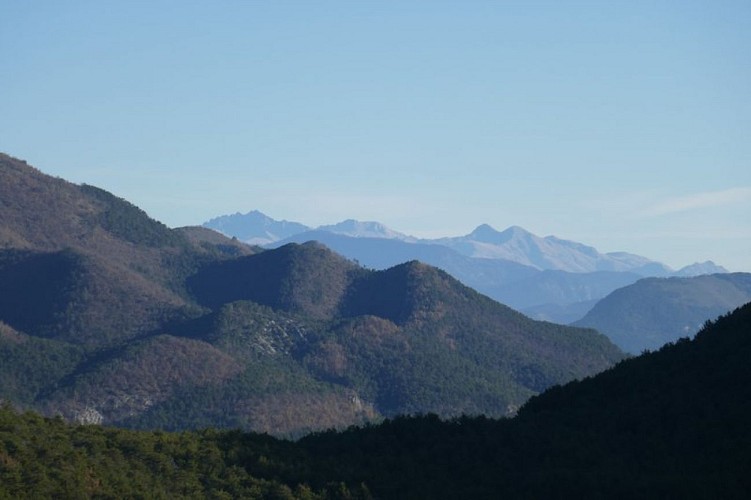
x=546, y=278
x=514, y=243
x=108, y=316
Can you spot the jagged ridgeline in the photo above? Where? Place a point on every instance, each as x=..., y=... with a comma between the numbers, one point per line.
x=136, y=324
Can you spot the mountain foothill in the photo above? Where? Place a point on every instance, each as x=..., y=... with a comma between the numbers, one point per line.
x=108, y=316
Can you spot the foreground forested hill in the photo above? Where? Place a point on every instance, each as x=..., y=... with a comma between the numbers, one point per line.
x=672, y=423
x=668, y=424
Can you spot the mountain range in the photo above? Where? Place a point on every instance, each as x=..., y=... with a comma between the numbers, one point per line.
x=513, y=244
x=546, y=278
x=108, y=316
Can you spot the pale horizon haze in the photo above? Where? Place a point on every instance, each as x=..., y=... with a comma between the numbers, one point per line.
x=622, y=125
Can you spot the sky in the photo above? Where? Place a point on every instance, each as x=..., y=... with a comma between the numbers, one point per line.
x=625, y=125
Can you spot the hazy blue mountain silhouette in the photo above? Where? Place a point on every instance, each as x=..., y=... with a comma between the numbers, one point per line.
x=514, y=243
x=254, y=227
x=548, y=253
x=654, y=311
x=364, y=229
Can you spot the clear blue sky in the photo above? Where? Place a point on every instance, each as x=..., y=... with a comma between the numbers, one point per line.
x=625, y=125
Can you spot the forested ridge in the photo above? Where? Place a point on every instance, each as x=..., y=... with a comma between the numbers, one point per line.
x=667, y=424
x=108, y=316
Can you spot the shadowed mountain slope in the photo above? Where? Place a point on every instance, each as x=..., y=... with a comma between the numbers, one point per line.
x=307, y=279
x=407, y=339
x=78, y=298
x=668, y=424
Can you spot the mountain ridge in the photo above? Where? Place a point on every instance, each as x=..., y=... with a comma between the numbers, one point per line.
x=484, y=241
x=549, y=253
x=150, y=327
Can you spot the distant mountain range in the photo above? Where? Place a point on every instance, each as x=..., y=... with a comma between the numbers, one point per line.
x=108, y=316
x=549, y=253
x=513, y=244
x=359, y=229
x=547, y=278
